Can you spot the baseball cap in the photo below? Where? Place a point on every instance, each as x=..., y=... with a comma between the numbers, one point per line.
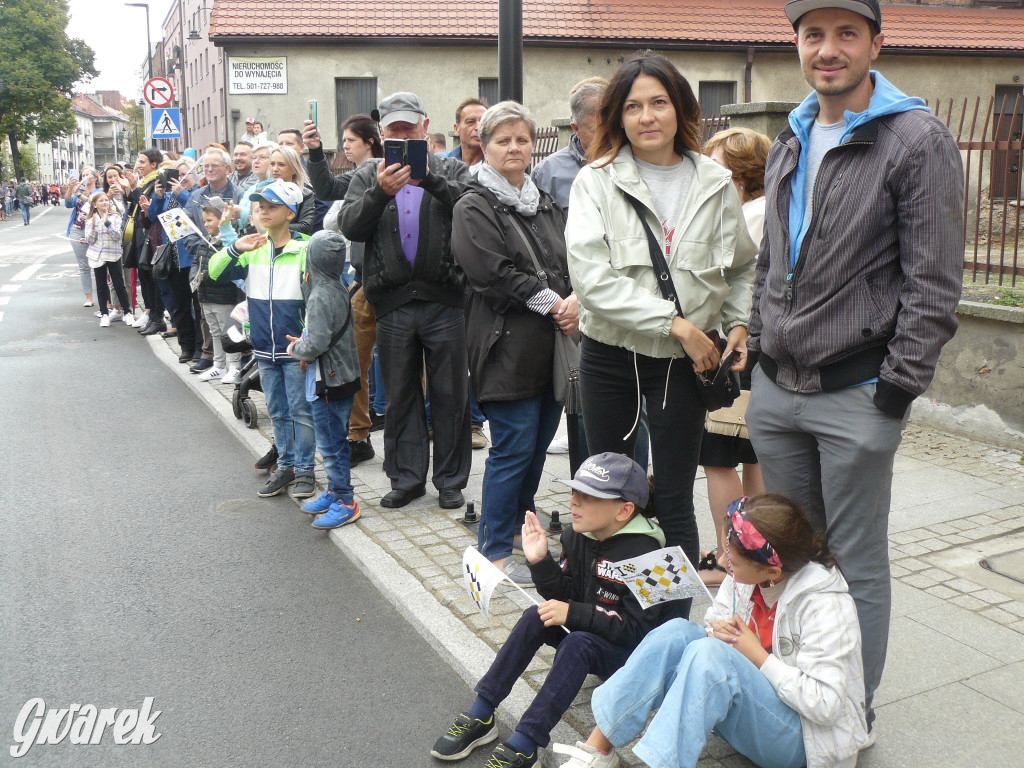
x=401, y=107
x=611, y=476
x=280, y=193
x=250, y=120
x=869, y=9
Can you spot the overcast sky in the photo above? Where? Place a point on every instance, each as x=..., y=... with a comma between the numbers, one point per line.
x=117, y=34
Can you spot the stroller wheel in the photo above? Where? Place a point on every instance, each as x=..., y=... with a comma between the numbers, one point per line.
x=249, y=415
x=236, y=404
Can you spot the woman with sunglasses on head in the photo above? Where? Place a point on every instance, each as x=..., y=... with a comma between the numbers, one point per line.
x=775, y=670
x=636, y=344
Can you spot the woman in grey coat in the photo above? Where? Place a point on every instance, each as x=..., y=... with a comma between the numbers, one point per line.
x=328, y=349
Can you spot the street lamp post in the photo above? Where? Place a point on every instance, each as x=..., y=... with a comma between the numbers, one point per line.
x=149, y=53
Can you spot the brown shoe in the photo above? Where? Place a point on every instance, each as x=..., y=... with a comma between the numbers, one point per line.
x=479, y=438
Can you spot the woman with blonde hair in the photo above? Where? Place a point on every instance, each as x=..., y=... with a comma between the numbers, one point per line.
x=285, y=164
x=726, y=445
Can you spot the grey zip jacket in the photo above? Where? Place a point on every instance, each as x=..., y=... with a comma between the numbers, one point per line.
x=327, y=310
x=871, y=288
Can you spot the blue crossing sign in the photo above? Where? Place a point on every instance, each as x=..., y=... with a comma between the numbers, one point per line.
x=166, y=123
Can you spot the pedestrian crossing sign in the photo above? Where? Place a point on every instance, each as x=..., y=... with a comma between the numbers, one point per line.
x=166, y=123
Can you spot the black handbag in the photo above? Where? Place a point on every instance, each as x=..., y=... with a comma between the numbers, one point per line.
x=565, y=366
x=163, y=260
x=718, y=388
x=144, y=259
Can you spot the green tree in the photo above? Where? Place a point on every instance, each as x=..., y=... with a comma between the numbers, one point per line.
x=29, y=167
x=39, y=67
x=136, y=128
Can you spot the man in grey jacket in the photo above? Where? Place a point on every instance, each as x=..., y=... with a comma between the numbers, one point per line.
x=857, y=283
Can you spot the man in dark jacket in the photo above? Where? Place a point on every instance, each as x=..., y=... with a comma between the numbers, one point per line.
x=410, y=279
x=857, y=282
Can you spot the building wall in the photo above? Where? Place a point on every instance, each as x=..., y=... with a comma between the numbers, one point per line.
x=444, y=75
x=203, y=74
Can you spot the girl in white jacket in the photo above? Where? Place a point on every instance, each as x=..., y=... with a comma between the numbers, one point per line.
x=776, y=670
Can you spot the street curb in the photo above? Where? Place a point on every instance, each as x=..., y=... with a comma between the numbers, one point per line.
x=468, y=655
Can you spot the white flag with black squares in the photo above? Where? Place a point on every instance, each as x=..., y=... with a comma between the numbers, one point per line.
x=665, y=574
x=480, y=576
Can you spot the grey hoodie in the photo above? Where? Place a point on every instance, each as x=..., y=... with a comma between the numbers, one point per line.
x=327, y=311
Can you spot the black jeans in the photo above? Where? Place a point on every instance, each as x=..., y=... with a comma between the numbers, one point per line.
x=675, y=414
x=181, y=311
x=578, y=654
x=151, y=295
x=407, y=337
x=113, y=268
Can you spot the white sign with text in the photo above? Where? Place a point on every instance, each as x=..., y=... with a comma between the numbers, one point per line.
x=251, y=75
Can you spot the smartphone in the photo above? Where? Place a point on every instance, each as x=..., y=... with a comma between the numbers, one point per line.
x=394, y=152
x=167, y=175
x=312, y=114
x=416, y=151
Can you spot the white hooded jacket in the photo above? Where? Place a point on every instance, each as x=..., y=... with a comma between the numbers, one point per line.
x=712, y=259
x=815, y=665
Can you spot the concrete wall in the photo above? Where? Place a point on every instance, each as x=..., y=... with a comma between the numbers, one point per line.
x=979, y=382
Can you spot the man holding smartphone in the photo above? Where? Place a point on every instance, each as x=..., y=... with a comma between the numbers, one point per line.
x=409, y=277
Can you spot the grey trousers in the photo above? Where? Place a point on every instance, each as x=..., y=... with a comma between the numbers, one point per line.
x=832, y=453
x=416, y=333
x=81, y=251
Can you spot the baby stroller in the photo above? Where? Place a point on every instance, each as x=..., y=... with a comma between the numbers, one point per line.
x=234, y=339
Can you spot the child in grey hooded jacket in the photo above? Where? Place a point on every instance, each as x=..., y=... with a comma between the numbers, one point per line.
x=328, y=349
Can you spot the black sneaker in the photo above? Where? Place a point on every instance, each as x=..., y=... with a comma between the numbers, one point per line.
x=267, y=460
x=360, y=451
x=376, y=421
x=504, y=756
x=277, y=482
x=463, y=736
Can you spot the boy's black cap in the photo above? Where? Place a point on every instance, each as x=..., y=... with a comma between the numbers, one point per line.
x=611, y=476
x=869, y=9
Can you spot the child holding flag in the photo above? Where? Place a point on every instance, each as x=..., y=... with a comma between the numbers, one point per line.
x=610, y=522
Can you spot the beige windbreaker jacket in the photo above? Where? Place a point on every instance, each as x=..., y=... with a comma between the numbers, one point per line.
x=712, y=258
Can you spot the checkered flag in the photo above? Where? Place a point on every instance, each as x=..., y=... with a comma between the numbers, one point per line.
x=665, y=574
x=480, y=576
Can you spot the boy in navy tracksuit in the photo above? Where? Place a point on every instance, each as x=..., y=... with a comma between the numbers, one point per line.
x=610, y=522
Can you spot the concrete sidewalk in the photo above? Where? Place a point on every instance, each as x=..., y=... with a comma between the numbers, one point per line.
x=952, y=691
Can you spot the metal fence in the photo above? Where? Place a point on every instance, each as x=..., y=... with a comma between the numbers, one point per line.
x=989, y=137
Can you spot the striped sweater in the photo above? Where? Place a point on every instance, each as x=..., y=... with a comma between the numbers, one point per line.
x=104, y=240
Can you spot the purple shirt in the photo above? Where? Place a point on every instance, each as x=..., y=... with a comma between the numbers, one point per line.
x=408, y=201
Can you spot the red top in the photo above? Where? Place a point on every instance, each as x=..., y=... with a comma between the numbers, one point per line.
x=762, y=619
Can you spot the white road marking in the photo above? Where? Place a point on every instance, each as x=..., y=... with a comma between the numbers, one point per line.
x=9, y=288
x=5, y=300
x=27, y=272
x=1, y=315
x=30, y=240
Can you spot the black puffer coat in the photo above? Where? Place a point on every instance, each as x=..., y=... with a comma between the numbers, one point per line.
x=510, y=346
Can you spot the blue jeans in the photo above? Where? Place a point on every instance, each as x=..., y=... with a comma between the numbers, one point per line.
x=284, y=387
x=378, y=398
x=578, y=654
x=521, y=431
x=26, y=213
x=697, y=684
x=330, y=422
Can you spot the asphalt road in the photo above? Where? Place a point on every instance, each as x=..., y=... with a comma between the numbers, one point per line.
x=136, y=560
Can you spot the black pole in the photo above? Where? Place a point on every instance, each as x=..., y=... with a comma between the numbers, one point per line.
x=510, y=50
x=149, y=44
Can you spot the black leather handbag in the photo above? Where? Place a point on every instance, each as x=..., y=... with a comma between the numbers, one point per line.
x=718, y=388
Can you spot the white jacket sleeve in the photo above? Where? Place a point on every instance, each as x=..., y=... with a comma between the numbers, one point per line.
x=827, y=648
x=601, y=288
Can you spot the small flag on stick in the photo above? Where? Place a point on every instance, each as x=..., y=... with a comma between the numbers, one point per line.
x=177, y=225
x=480, y=576
x=665, y=574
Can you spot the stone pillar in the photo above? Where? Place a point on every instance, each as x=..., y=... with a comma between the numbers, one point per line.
x=767, y=117
x=563, y=124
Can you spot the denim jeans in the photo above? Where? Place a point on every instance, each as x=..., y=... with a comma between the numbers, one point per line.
x=284, y=387
x=25, y=215
x=330, y=422
x=378, y=398
x=81, y=251
x=697, y=684
x=476, y=416
x=578, y=654
x=521, y=431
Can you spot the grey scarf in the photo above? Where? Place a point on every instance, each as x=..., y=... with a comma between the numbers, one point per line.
x=524, y=200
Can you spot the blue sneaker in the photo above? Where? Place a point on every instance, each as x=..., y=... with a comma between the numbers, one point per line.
x=320, y=504
x=338, y=515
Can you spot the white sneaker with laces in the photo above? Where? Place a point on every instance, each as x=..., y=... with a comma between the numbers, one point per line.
x=231, y=377
x=105, y=321
x=116, y=315
x=559, y=445
x=585, y=756
x=211, y=373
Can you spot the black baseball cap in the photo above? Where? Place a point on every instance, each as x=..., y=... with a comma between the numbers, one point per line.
x=869, y=9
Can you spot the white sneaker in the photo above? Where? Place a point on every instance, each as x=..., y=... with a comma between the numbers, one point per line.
x=105, y=321
x=116, y=315
x=559, y=445
x=211, y=373
x=231, y=377
x=585, y=756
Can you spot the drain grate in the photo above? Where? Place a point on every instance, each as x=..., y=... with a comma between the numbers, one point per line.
x=1008, y=564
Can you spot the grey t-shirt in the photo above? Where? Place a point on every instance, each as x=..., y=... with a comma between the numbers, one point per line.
x=668, y=185
x=822, y=138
